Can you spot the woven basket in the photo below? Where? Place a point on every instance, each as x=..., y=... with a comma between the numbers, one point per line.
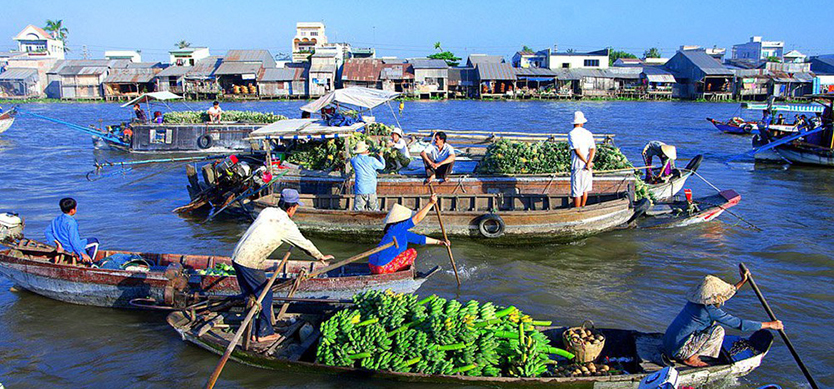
x=585, y=352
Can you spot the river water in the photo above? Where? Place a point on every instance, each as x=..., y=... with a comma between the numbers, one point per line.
x=622, y=279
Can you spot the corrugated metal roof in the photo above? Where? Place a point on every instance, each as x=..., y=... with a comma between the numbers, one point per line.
x=496, y=71
x=709, y=65
x=323, y=68
x=233, y=68
x=475, y=60
x=144, y=65
x=19, y=74
x=282, y=74
x=463, y=76
x=83, y=70
x=425, y=63
x=129, y=76
x=59, y=65
x=363, y=70
x=534, y=72
x=247, y=55
x=396, y=71
x=174, y=71
x=204, y=68
x=804, y=77
x=626, y=73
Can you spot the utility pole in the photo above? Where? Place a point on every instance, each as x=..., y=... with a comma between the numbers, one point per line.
x=84, y=52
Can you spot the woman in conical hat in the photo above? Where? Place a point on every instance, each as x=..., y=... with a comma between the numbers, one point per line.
x=397, y=224
x=696, y=332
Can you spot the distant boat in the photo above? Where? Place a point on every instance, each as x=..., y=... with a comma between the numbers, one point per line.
x=6, y=120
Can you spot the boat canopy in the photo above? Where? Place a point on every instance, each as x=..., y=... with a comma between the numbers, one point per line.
x=158, y=96
x=356, y=96
x=784, y=107
x=303, y=129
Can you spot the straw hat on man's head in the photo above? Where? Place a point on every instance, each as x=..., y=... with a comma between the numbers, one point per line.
x=398, y=131
x=361, y=147
x=579, y=118
x=711, y=291
x=669, y=151
x=397, y=214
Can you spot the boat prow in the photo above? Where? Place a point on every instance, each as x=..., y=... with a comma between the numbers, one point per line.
x=6, y=120
x=681, y=213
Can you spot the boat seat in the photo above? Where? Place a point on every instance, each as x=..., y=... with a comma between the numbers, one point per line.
x=649, y=352
x=35, y=248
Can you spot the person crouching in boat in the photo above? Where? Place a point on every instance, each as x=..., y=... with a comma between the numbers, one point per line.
x=696, y=332
x=397, y=225
x=667, y=154
x=272, y=228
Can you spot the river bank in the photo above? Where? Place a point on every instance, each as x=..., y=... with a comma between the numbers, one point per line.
x=622, y=279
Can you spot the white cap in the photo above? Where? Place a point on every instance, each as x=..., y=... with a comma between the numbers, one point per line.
x=579, y=118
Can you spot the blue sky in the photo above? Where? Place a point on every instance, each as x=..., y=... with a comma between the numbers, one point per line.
x=410, y=28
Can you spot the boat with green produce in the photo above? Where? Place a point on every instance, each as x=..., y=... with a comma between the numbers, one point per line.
x=433, y=340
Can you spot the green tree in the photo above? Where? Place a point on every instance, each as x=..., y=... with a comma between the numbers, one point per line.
x=652, y=53
x=773, y=59
x=182, y=44
x=527, y=48
x=56, y=27
x=447, y=56
x=570, y=51
x=614, y=55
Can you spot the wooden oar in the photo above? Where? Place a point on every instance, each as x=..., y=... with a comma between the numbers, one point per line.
x=781, y=332
x=216, y=374
x=445, y=238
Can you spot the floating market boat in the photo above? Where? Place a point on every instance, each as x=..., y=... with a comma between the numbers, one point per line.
x=173, y=279
x=6, y=120
x=739, y=126
x=665, y=190
x=681, y=212
x=636, y=354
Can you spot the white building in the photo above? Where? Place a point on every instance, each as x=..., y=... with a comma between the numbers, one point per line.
x=188, y=56
x=758, y=50
x=714, y=52
x=309, y=36
x=37, y=43
x=794, y=56
x=131, y=55
x=571, y=60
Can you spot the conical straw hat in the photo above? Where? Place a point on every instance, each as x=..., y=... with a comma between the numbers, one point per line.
x=397, y=214
x=712, y=290
x=669, y=151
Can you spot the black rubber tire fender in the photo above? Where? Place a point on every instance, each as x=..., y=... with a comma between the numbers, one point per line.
x=491, y=226
x=748, y=128
x=204, y=141
x=695, y=163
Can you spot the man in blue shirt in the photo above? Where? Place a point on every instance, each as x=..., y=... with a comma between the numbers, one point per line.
x=365, y=167
x=63, y=232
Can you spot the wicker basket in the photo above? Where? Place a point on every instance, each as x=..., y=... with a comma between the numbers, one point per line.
x=585, y=352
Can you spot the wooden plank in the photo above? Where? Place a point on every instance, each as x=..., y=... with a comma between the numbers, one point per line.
x=312, y=339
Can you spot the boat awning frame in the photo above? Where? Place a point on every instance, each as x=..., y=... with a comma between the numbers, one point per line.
x=355, y=96
x=301, y=129
x=153, y=96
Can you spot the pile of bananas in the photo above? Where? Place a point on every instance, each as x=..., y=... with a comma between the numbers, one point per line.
x=220, y=269
x=398, y=332
x=193, y=117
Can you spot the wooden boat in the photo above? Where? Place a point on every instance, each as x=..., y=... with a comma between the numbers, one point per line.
x=639, y=352
x=665, y=190
x=735, y=126
x=6, y=120
x=167, y=278
x=680, y=212
x=807, y=154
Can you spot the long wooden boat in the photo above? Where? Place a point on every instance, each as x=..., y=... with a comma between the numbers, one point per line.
x=495, y=209
x=681, y=213
x=169, y=277
x=6, y=120
x=666, y=190
x=736, y=127
x=807, y=154
x=639, y=352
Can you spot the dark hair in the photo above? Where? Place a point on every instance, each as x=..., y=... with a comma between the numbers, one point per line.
x=157, y=113
x=136, y=105
x=285, y=206
x=441, y=135
x=67, y=204
x=215, y=102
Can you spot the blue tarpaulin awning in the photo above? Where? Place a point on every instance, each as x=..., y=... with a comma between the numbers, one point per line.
x=539, y=79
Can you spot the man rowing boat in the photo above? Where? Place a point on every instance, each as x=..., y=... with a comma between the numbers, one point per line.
x=270, y=230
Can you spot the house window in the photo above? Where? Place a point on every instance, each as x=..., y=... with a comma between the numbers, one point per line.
x=592, y=63
x=565, y=65
x=314, y=33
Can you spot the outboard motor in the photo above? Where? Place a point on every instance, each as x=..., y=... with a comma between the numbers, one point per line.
x=11, y=227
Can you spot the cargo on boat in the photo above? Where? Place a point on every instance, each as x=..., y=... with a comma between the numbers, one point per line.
x=635, y=354
x=173, y=279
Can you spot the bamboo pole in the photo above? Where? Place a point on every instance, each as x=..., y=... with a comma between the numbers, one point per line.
x=445, y=238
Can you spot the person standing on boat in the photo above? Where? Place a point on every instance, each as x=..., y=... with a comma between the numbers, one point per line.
x=270, y=230
x=215, y=112
x=63, y=232
x=696, y=332
x=667, y=155
x=397, y=225
x=366, y=168
x=581, y=142
x=141, y=117
x=398, y=143
x=439, y=158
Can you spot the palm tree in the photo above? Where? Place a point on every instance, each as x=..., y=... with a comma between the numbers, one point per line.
x=437, y=46
x=56, y=27
x=653, y=52
x=183, y=44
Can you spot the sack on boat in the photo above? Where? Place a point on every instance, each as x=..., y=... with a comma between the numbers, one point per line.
x=123, y=261
x=585, y=342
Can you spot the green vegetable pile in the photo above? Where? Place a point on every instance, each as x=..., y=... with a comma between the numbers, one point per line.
x=330, y=155
x=378, y=129
x=396, y=332
x=220, y=269
x=191, y=117
x=508, y=157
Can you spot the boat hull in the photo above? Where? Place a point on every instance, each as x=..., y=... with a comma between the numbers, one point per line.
x=807, y=156
x=669, y=189
x=5, y=124
x=116, y=288
x=712, y=208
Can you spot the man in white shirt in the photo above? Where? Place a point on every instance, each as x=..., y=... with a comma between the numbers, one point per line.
x=215, y=112
x=398, y=143
x=439, y=158
x=582, y=147
x=272, y=228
